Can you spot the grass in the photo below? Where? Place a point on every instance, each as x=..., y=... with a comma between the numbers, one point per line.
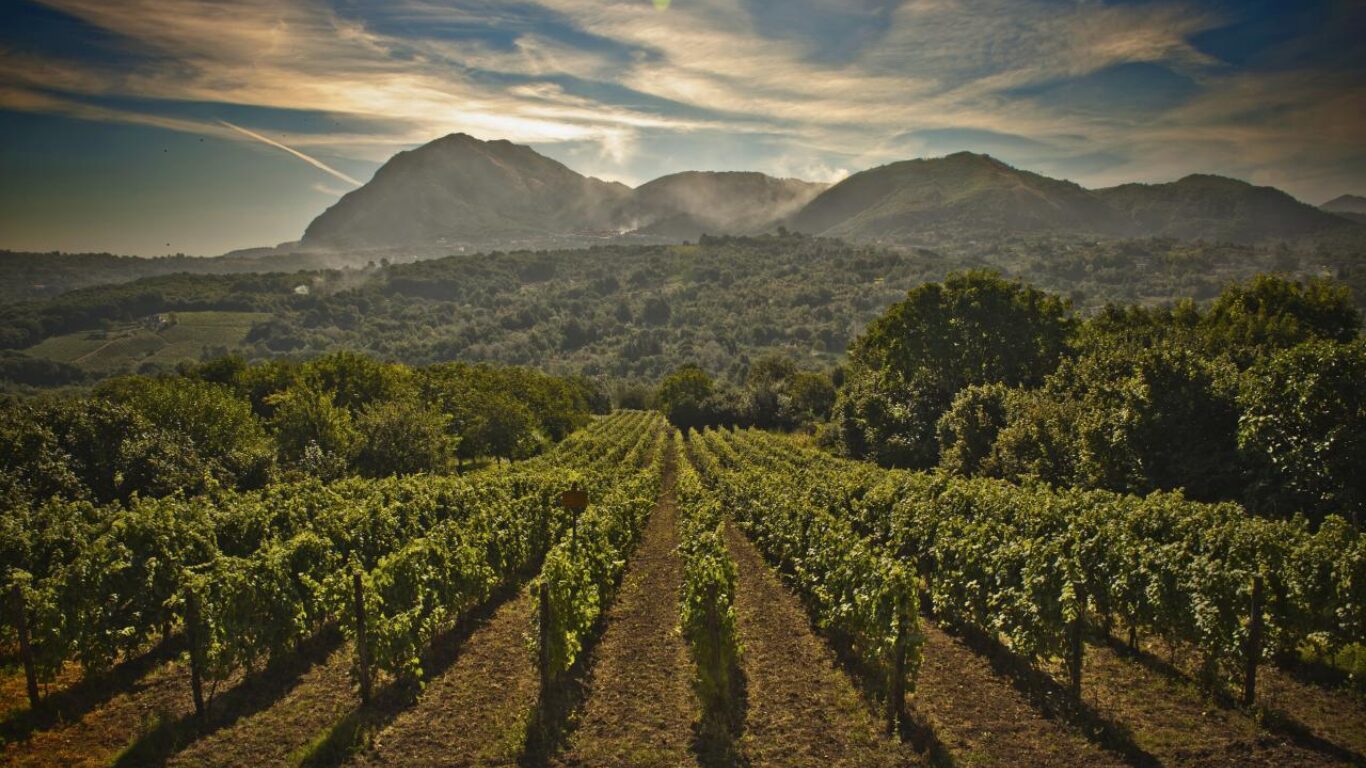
x=183, y=335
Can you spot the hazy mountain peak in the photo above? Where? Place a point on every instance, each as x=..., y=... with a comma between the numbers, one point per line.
x=459, y=188
x=1346, y=204
x=962, y=191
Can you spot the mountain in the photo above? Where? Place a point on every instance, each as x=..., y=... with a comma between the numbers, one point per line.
x=960, y=192
x=1203, y=207
x=461, y=191
x=1345, y=204
x=1350, y=207
x=967, y=194
x=686, y=205
x=460, y=188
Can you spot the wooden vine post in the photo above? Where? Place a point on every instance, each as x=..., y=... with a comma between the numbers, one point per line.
x=896, y=669
x=543, y=644
x=713, y=620
x=25, y=644
x=192, y=635
x=715, y=666
x=1076, y=650
x=1254, y=642
x=362, y=645
x=576, y=501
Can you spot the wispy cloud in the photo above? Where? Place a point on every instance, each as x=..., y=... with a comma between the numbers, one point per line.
x=646, y=87
x=313, y=161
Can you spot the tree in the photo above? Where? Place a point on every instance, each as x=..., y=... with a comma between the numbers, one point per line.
x=219, y=426
x=974, y=328
x=402, y=436
x=1152, y=418
x=1303, y=429
x=656, y=311
x=1270, y=313
x=682, y=397
x=1039, y=440
x=507, y=429
x=356, y=380
x=314, y=434
x=968, y=430
x=809, y=398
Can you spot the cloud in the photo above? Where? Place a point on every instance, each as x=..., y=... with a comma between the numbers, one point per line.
x=620, y=74
x=313, y=161
x=324, y=189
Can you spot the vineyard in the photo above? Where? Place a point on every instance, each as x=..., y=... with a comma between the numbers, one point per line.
x=723, y=598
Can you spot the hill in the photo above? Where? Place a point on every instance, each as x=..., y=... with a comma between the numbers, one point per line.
x=459, y=188
x=1204, y=207
x=1350, y=207
x=963, y=192
x=618, y=311
x=689, y=204
x=968, y=196
x=1345, y=204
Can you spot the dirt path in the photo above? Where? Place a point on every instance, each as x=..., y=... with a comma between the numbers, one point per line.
x=640, y=706
x=802, y=710
x=474, y=713
x=981, y=719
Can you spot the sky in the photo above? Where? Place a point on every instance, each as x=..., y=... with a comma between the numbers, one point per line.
x=199, y=126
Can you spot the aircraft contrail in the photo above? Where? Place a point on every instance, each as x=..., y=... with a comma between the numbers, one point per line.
x=316, y=163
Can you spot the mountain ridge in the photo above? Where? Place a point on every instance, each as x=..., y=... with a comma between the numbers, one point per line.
x=462, y=189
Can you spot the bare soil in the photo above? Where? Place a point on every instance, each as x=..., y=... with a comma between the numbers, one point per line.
x=802, y=709
x=1174, y=722
x=980, y=718
x=640, y=706
x=127, y=714
x=279, y=734
x=476, y=711
x=1332, y=717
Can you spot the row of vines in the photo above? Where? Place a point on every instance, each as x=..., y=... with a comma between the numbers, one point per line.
x=864, y=599
x=707, y=601
x=243, y=578
x=1039, y=567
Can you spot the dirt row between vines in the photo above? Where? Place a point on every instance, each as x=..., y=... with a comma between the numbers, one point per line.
x=640, y=707
x=801, y=709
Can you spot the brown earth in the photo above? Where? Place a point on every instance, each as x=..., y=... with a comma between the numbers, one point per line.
x=979, y=717
x=640, y=706
x=1176, y=723
x=278, y=734
x=802, y=710
x=476, y=711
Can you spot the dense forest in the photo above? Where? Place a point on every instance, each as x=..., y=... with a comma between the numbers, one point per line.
x=229, y=425
x=618, y=312
x=1259, y=397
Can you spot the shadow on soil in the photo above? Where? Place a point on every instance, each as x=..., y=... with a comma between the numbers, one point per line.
x=1053, y=700
x=1273, y=720
x=912, y=729
x=1300, y=734
x=716, y=736
x=354, y=731
x=257, y=691
x=553, y=722
x=72, y=703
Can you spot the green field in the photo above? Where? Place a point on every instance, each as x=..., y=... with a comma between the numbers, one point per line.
x=162, y=339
